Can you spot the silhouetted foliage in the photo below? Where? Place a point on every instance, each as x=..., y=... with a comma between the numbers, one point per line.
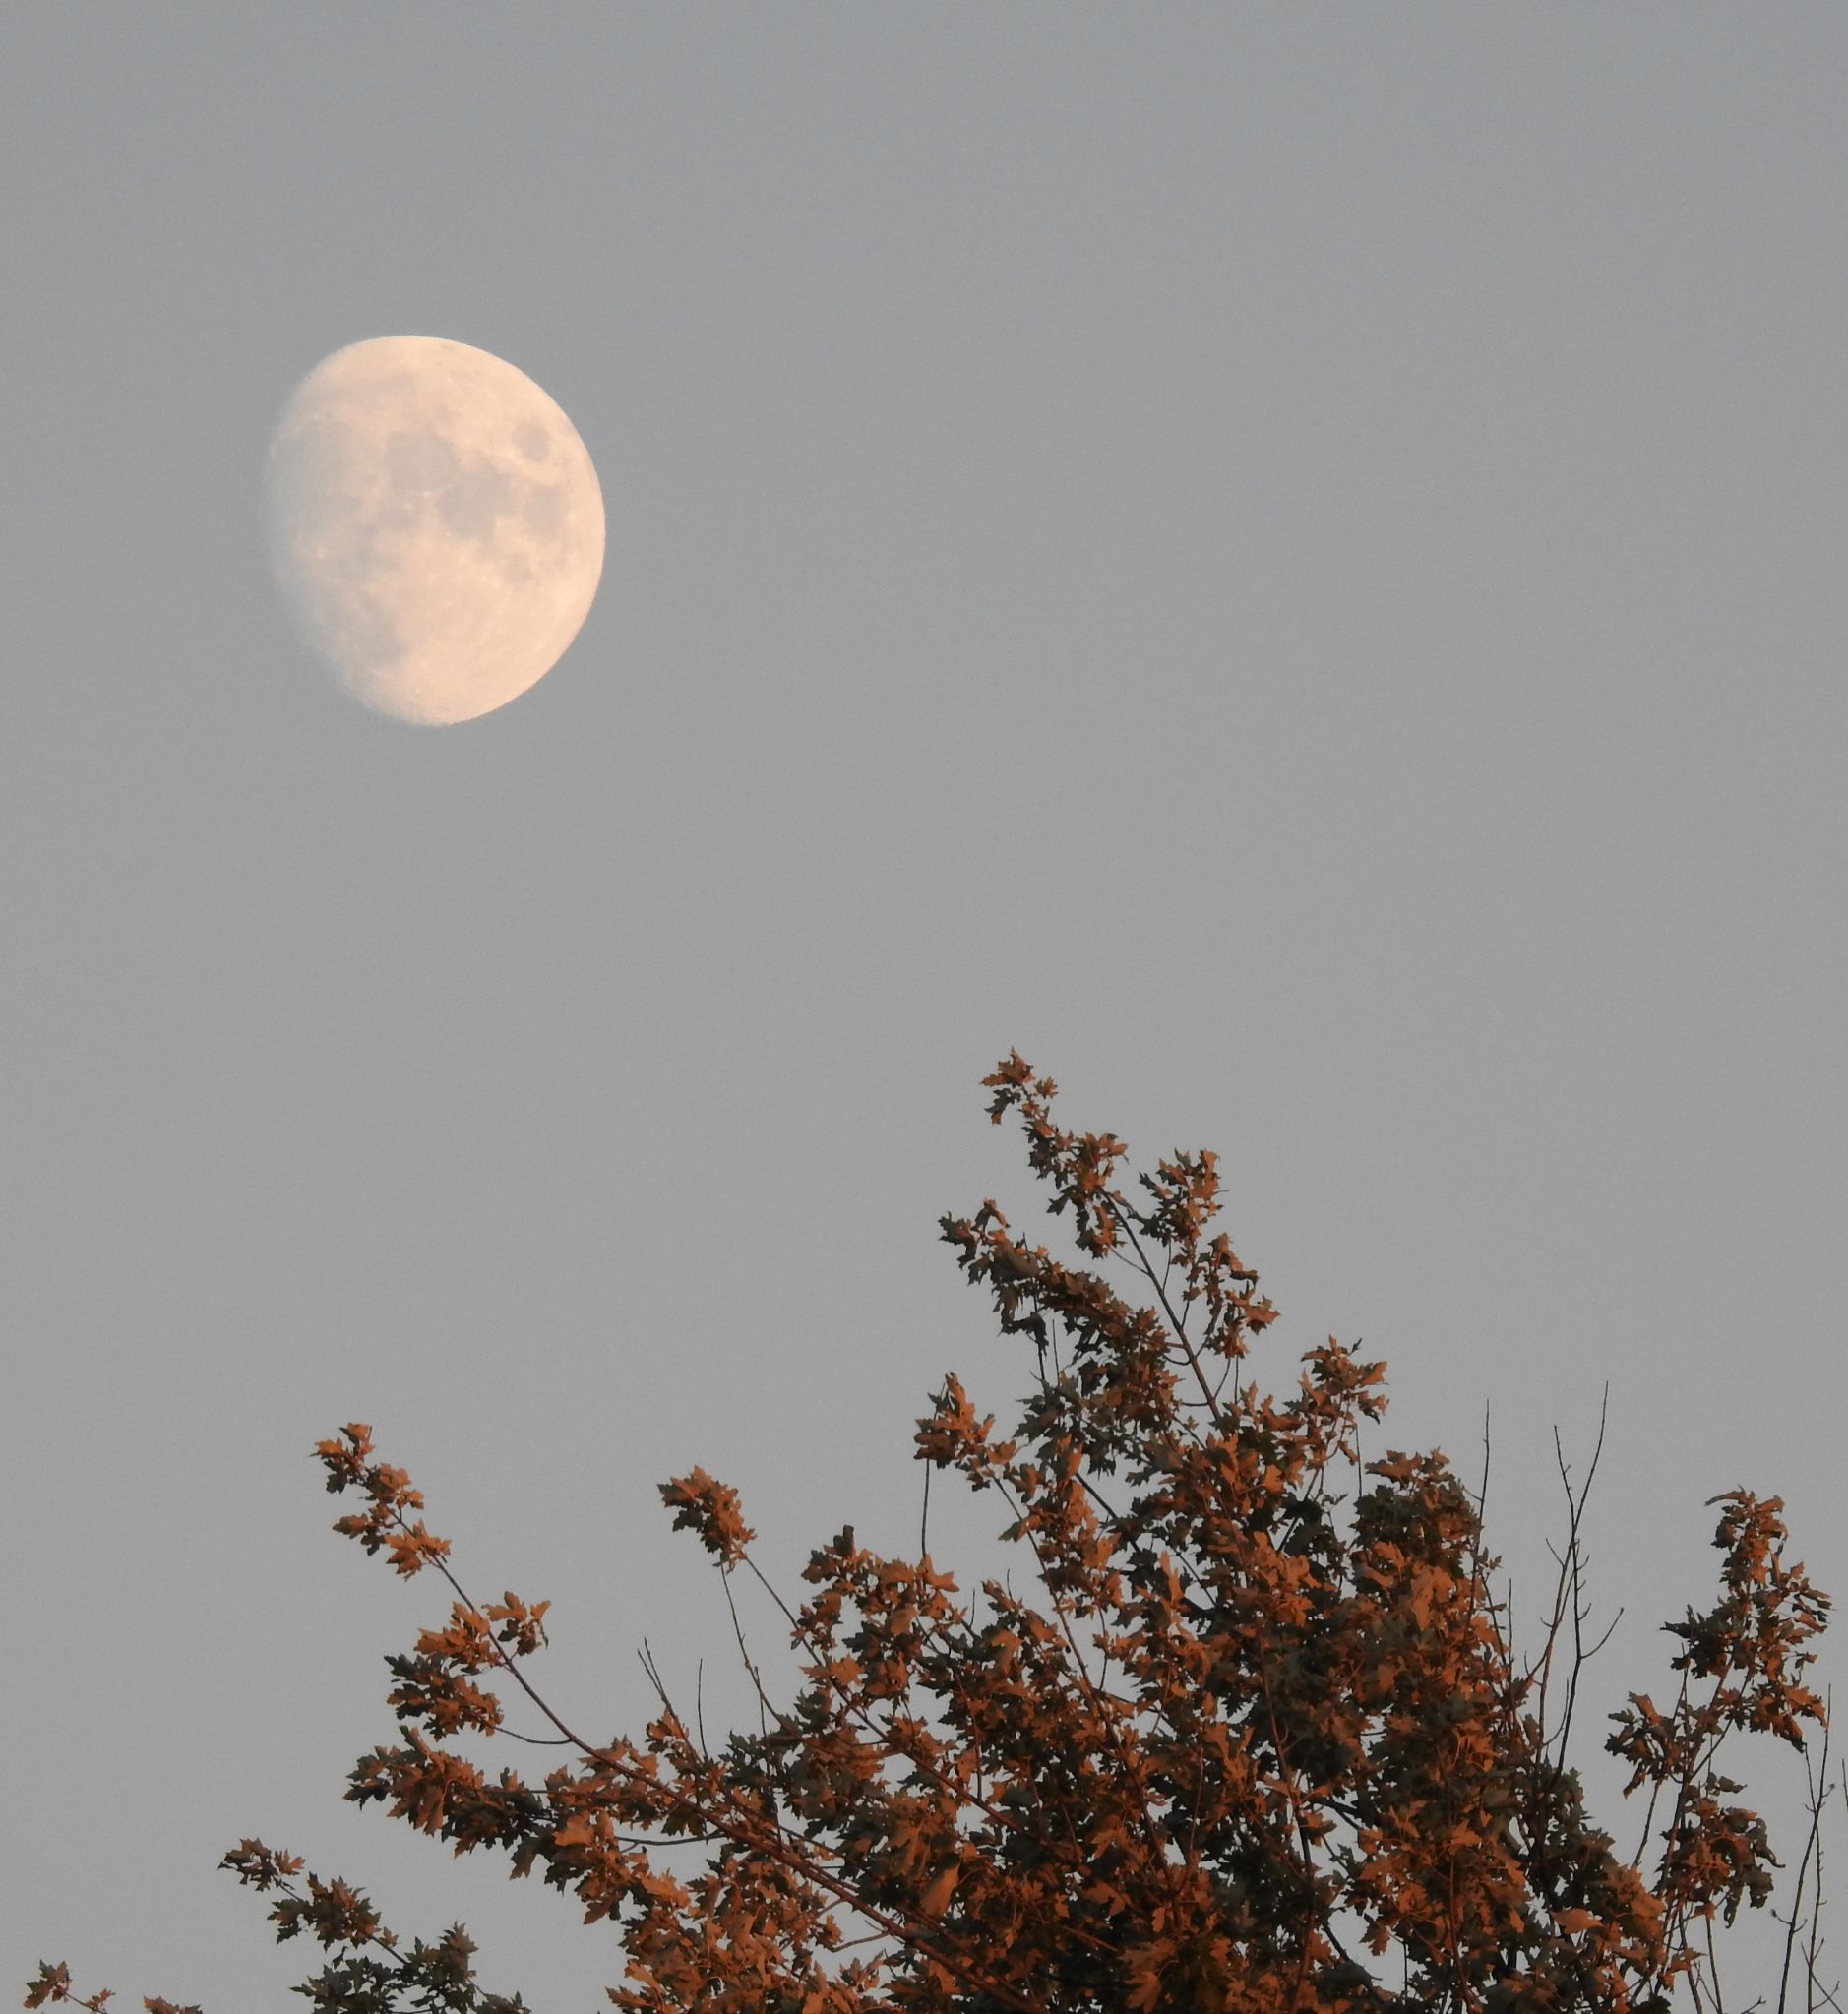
x=1258, y=1740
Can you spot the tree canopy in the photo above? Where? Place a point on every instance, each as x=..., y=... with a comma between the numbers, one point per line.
x=1254, y=1739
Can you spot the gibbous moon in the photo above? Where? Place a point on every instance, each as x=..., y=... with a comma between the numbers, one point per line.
x=435, y=526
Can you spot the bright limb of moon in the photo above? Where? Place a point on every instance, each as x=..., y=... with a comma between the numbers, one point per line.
x=435, y=525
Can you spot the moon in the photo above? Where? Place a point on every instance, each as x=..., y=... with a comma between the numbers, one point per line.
x=435, y=526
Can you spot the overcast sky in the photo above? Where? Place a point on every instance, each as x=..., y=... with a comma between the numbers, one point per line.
x=1287, y=561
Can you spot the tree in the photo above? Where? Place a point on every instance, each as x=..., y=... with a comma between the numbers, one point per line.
x=1259, y=1740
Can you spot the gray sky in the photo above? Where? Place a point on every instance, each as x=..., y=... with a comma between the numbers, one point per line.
x=1287, y=561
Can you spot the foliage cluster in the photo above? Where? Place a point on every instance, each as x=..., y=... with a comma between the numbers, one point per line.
x=1257, y=1740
